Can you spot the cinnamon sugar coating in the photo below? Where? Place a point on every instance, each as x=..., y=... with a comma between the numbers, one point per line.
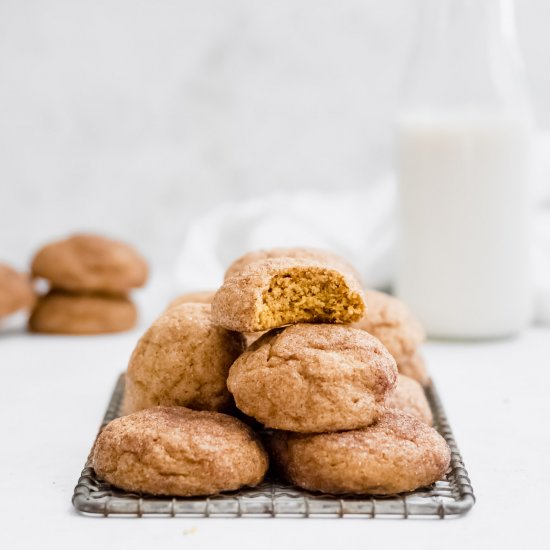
x=313, y=378
x=273, y=293
x=182, y=359
x=395, y=454
x=180, y=452
x=325, y=257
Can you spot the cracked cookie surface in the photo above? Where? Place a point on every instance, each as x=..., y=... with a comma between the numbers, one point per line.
x=180, y=452
x=273, y=293
x=313, y=378
x=182, y=359
x=395, y=454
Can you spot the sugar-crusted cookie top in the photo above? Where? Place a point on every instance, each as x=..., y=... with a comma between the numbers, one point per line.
x=397, y=453
x=277, y=292
x=324, y=257
x=313, y=378
x=177, y=451
x=182, y=359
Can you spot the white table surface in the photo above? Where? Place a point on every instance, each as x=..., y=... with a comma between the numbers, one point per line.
x=54, y=391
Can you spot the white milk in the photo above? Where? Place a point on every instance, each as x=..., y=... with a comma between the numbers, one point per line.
x=463, y=191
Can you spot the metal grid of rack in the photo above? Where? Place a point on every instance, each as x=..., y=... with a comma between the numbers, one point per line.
x=451, y=496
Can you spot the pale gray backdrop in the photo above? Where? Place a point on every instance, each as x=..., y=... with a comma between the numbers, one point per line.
x=131, y=117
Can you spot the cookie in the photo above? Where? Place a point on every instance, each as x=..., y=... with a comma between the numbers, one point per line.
x=89, y=263
x=408, y=396
x=199, y=297
x=395, y=454
x=414, y=367
x=183, y=359
x=313, y=378
x=324, y=257
x=60, y=312
x=16, y=291
x=394, y=325
x=273, y=293
x=179, y=452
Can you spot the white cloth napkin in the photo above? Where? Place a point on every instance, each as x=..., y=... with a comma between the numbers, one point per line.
x=360, y=225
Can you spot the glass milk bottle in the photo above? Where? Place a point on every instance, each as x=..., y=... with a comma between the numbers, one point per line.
x=463, y=168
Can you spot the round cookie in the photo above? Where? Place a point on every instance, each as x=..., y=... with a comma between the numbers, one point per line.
x=16, y=291
x=199, y=297
x=90, y=263
x=313, y=378
x=408, y=396
x=60, y=312
x=273, y=293
x=179, y=452
x=393, y=324
x=182, y=359
x=395, y=454
x=301, y=253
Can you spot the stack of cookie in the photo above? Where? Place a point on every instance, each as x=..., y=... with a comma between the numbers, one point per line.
x=326, y=388
x=336, y=415
x=89, y=278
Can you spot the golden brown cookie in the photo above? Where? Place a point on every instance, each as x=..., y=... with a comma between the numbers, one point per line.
x=60, y=312
x=408, y=396
x=88, y=263
x=395, y=454
x=180, y=452
x=199, y=297
x=273, y=293
x=324, y=257
x=313, y=378
x=182, y=359
x=393, y=324
x=16, y=291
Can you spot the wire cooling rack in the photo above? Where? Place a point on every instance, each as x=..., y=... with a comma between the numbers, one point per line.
x=451, y=496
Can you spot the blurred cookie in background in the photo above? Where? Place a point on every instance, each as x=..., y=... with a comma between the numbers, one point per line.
x=61, y=312
x=16, y=291
x=88, y=263
x=90, y=277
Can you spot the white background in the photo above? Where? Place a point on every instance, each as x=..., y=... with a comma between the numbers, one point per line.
x=131, y=117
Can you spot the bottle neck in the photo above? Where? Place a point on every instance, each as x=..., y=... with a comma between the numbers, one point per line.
x=467, y=56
